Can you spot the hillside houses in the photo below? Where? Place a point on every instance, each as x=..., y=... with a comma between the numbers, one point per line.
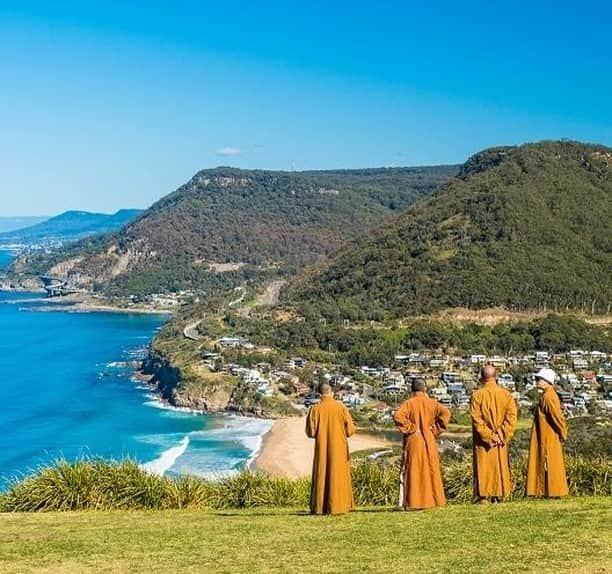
x=585, y=378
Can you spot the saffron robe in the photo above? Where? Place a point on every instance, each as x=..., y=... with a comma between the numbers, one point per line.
x=546, y=468
x=420, y=419
x=493, y=412
x=330, y=424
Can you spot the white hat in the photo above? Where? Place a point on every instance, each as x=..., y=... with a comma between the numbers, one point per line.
x=547, y=374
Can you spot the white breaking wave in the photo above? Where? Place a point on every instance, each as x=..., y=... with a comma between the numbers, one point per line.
x=211, y=453
x=250, y=432
x=246, y=431
x=158, y=404
x=166, y=460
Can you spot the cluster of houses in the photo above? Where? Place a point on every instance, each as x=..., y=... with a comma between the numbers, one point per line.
x=166, y=300
x=263, y=378
x=235, y=342
x=583, y=377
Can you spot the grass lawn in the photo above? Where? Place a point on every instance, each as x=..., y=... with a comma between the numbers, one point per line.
x=557, y=536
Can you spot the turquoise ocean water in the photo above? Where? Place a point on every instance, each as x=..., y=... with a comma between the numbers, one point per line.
x=65, y=394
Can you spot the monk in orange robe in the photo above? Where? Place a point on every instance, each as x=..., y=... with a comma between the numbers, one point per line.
x=330, y=424
x=493, y=412
x=420, y=419
x=546, y=468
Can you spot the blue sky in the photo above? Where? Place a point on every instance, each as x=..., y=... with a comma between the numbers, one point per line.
x=114, y=104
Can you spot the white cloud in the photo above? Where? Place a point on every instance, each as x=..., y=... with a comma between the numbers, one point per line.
x=228, y=151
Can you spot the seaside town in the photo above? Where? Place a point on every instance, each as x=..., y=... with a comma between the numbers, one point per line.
x=584, y=379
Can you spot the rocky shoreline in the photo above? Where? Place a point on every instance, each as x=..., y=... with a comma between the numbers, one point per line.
x=80, y=304
x=167, y=382
x=91, y=308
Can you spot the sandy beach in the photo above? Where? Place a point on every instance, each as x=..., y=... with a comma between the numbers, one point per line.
x=287, y=451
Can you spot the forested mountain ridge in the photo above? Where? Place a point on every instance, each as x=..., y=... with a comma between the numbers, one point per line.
x=526, y=227
x=226, y=225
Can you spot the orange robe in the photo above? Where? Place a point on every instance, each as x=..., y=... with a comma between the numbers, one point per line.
x=420, y=419
x=330, y=424
x=546, y=469
x=493, y=412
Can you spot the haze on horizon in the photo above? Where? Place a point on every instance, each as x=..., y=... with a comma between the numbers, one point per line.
x=109, y=105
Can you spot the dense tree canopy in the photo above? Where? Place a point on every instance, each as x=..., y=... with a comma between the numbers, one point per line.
x=527, y=228
x=262, y=222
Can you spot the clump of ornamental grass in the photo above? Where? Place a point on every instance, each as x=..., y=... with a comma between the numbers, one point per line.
x=192, y=492
x=588, y=475
x=101, y=485
x=125, y=485
x=252, y=490
x=62, y=486
x=375, y=484
x=458, y=481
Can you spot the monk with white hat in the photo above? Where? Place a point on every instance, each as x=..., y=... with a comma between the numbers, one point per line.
x=546, y=468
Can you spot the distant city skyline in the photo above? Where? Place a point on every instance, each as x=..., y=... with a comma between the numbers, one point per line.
x=110, y=105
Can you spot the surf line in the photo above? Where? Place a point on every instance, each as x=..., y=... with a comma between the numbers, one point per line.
x=166, y=460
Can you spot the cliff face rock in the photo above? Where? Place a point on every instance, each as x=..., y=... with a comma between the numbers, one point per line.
x=182, y=387
x=166, y=377
x=215, y=401
x=189, y=387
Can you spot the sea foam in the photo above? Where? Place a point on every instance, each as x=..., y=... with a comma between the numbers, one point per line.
x=166, y=460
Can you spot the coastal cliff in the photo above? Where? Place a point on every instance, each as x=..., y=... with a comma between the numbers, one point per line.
x=181, y=386
x=187, y=384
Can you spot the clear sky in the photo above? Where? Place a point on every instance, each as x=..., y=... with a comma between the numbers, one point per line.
x=113, y=104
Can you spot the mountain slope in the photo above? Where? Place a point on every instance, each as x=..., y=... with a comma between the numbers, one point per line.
x=227, y=225
x=14, y=223
x=69, y=226
x=525, y=227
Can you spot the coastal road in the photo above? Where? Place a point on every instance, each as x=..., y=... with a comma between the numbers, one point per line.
x=191, y=330
x=240, y=299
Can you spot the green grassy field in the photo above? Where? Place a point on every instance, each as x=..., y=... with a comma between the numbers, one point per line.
x=572, y=535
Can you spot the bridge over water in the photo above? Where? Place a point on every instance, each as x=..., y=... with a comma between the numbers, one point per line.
x=57, y=287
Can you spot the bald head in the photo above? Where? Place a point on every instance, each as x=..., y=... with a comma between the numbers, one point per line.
x=488, y=373
x=418, y=386
x=325, y=389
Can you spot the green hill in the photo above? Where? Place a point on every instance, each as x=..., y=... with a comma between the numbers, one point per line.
x=526, y=227
x=227, y=225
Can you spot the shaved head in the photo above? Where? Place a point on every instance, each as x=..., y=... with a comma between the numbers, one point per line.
x=325, y=389
x=488, y=373
x=418, y=385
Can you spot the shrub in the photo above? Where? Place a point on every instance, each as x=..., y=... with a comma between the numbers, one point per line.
x=375, y=485
x=100, y=485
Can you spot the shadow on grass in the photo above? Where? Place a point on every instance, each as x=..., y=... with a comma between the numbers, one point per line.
x=253, y=513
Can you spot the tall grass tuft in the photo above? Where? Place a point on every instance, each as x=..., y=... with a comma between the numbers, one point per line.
x=100, y=485
x=63, y=486
x=252, y=490
x=458, y=481
x=193, y=493
x=589, y=475
x=375, y=485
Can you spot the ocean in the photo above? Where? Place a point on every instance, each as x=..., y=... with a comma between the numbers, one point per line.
x=5, y=258
x=66, y=394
